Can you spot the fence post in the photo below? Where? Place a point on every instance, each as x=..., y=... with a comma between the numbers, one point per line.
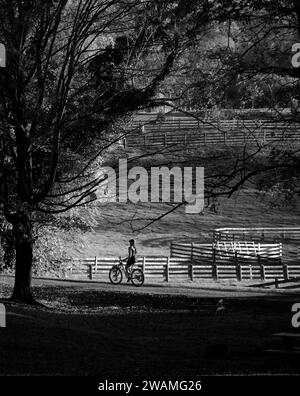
x=214, y=265
x=262, y=268
x=167, y=269
x=250, y=271
x=96, y=265
x=91, y=271
x=144, y=265
x=285, y=271
x=238, y=267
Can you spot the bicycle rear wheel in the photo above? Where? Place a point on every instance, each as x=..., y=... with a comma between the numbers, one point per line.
x=115, y=275
x=137, y=277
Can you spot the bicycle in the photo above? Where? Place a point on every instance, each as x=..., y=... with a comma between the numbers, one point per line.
x=136, y=276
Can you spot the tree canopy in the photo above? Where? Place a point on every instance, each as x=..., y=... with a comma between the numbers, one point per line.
x=76, y=69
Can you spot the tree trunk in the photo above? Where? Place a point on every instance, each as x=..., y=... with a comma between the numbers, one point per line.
x=22, y=230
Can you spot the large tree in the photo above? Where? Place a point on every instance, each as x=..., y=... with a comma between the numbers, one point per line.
x=70, y=73
x=74, y=68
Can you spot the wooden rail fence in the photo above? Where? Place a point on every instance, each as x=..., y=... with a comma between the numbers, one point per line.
x=187, y=131
x=174, y=268
x=226, y=250
x=260, y=234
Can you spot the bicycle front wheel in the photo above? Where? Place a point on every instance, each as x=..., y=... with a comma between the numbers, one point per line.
x=137, y=277
x=115, y=275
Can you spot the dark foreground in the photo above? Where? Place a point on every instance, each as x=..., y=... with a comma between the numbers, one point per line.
x=91, y=332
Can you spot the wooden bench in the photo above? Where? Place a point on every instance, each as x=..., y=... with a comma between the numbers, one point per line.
x=290, y=344
x=210, y=307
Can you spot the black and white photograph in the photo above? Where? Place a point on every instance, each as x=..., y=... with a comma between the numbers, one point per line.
x=150, y=193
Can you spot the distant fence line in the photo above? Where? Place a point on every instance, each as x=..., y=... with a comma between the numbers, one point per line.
x=226, y=251
x=261, y=234
x=187, y=131
x=223, y=114
x=173, y=268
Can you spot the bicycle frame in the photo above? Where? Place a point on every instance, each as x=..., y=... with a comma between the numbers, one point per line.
x=123, y=268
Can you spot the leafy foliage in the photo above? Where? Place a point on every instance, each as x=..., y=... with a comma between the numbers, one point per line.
x=7, y=250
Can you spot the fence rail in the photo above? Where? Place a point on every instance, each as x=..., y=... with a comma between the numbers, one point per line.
x=174, y=268
x=270, y=234
x=187, y=131
x=226, y=250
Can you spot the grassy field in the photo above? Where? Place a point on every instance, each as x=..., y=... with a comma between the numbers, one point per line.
x=117, y=223
x=96, y=332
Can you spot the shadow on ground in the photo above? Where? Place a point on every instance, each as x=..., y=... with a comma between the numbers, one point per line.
x=91, y=332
